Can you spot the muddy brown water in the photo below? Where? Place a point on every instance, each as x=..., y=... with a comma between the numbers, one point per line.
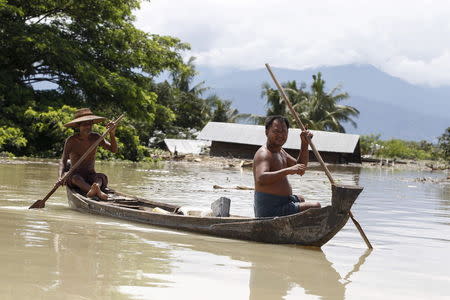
x=58, y=253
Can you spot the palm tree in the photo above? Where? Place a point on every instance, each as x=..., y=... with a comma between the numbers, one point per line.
x=317, y=109
x=219, y=110
x=182, y=79
x=320, y=110
x=187, y=103
x=275, y=103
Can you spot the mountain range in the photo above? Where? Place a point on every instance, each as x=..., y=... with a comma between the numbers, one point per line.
x=388, y=106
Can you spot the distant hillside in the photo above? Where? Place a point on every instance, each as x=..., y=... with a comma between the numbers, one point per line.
x=389, y=106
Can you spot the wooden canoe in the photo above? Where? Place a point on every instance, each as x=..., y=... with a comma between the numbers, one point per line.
x=313, y=227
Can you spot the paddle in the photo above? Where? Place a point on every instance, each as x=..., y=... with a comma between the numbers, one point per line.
x=41, y=203
x=316, y=153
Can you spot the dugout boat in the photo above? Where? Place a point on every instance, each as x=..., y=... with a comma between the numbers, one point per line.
x=313, y=227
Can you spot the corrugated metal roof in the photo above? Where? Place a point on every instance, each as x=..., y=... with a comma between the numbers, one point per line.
x=186, y=146
x=255, y=135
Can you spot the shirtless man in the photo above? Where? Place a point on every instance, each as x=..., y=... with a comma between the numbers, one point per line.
x=271, y=165
x=85, y=177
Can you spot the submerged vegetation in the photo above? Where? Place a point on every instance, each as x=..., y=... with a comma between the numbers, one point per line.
x=423, y=150
x=57, y=56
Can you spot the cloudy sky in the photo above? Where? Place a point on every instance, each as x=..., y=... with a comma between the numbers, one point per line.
x=407, y=39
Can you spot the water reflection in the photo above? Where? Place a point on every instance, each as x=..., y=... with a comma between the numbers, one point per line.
x=86, y=259
x=276, y=269
x=103, y=259
x=310, y=270
x=73, y=256
x=274, y=278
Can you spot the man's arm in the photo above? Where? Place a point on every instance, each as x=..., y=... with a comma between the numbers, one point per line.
x=112, y=144
x=64, y=158
x=289, y=159
x=303, y=156
x=264, y=176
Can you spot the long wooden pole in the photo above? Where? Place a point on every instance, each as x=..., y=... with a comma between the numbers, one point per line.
x=316, y=153
x=41, y=203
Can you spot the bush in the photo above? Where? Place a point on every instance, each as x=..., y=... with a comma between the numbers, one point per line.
x=396, y=148
x=11, y=139
x=46, y=132
x=369, y=144
x=444, y=145
x=131, y=148
x=6, y=154
x=128, y=143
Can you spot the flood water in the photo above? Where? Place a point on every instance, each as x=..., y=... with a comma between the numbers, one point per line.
x=58, y=253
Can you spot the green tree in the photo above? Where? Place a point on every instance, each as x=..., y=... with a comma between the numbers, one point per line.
x=222, y=111
x=186, y=103
x=11, y=139
x=317, y=109
x=88, y=49
x=444, y=144
x=274, y=103
x=128, y=142
x=370, y=144
x=183, y=77
x=88, y=54
x=46, y=133
x=396, y=148
x=321, y=110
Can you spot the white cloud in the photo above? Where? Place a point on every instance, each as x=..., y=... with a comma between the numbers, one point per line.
x=408, y=39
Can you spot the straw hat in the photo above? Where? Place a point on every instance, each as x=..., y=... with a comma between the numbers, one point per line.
x=83, y=115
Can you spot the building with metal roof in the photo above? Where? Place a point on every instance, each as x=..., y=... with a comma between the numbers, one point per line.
x=243, y=140
x=181, y=146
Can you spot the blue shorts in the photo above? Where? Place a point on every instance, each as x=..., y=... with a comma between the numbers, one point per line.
x=269, y=205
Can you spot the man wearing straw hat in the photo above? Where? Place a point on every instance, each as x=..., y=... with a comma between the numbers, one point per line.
x=271, y=165
x=85, y=177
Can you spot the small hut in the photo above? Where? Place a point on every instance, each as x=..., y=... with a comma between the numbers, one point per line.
x=243, y=140
x=180, y=146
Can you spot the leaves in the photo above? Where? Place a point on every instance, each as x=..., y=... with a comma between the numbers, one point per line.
x=46, y=133
x=317, y=109
x=11, y=139
x=89, y=49
x=322, y=109
x=444, y=144
x=91, y=55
